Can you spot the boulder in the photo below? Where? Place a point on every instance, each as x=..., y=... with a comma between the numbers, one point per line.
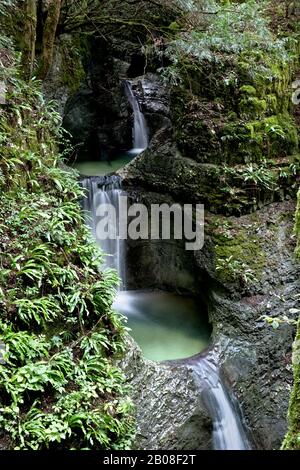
x=168, y=407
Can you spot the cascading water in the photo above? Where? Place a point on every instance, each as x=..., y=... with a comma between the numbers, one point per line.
x=228, y=433
x=140, y=141
x=139, y=131
x=101, y=191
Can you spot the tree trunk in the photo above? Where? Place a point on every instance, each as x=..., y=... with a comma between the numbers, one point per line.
x=30, y=25
x=49, y=37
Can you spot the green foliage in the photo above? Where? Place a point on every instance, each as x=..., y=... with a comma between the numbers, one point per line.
x=292, y=438
x=235, y=270
x=275, y=322
x=59, y=387
x=259, y=176
x=240, y=33
x=240, y=258
x=75, y=415
x=231, y=85
x=248, y=90
x=297, y=225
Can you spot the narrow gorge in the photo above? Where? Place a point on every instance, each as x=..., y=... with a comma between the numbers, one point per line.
x=153, y=325
x=114, y=338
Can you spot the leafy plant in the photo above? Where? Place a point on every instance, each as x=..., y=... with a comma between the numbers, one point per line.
x=260, y=176
x=275, y=322
x=59, y=387
x=236, y=270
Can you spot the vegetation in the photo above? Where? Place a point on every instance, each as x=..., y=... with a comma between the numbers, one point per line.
x=59, y=387
x=39, y=24
x=231, y=72
x=292, y=439
x=240, y=258
x=229, y=66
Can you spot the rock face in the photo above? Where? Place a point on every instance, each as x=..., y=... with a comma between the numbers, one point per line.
x=169, y=411
x=255, y=359
x=166, y=168
x=98, y=114
x=154, y=100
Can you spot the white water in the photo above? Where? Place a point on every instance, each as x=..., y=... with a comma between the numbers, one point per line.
x=228, y=433
x=105, y=190
x=139, y=131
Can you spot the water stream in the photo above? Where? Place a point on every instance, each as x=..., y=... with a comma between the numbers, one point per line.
x=228, y=430
x=101, y=191
x=139, y=131
x=166, y=326
x=140, y=141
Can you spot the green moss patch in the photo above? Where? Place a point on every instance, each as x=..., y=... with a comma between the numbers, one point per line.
x=239, y=254
x=232, y=89
x=292, y=439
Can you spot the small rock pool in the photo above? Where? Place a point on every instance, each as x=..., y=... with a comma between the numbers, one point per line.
x=166, y=326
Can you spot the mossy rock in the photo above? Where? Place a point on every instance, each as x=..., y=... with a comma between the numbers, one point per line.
x=292, y=439
x=237, y=252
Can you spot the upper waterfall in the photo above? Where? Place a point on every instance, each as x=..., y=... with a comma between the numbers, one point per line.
x=140, y=139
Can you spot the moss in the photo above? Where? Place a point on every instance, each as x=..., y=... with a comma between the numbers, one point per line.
x=297, y=226
x=174, y=27
x=292, y=439
x=253, y=106
x=75, y=52
x=270, y=137
x=233, y=105
x=248, y=90
x=237, y=246
x=272, y=103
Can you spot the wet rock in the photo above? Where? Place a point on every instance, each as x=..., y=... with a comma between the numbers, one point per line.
x=159, y=264
x=80, y=114
x=152, y=94
x=168, y=406
x=255, y=358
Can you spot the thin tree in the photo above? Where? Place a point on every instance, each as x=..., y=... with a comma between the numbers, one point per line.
x=30, y=24
x=53, y=15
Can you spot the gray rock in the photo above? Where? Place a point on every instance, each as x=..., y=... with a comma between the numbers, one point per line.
x=255, y=358
x=167, y=400
x=152, y=94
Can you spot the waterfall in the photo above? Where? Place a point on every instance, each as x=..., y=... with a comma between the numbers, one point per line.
x=139, y=131
x=102, y=190
x=228, y=432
